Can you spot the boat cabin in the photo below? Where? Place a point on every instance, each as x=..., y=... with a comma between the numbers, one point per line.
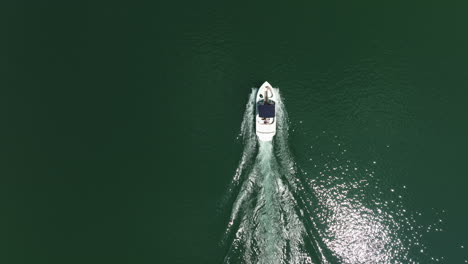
x=266, y=110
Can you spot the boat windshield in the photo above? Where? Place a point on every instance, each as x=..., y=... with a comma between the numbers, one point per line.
x=266, y=110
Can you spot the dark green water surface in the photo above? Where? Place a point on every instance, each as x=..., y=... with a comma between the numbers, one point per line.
x=120, y=127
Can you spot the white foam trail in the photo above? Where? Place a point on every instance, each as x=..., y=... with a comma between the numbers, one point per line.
x=248, y=134
x=264, y=226
x=279, y=215
x=249, y=139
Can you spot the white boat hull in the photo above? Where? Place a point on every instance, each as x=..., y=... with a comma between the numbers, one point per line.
x=265, y=127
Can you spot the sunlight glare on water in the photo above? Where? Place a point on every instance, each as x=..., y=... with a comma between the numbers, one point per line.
x=332, y=210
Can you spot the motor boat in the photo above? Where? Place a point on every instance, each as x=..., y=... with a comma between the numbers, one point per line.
x=265, y=119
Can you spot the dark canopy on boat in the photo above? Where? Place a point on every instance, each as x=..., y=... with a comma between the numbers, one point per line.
x=266, y=110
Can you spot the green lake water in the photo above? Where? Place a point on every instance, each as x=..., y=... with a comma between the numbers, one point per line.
x=121, y=137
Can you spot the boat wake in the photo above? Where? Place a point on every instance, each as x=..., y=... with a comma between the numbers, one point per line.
x=265, y=224
x=333, y=210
